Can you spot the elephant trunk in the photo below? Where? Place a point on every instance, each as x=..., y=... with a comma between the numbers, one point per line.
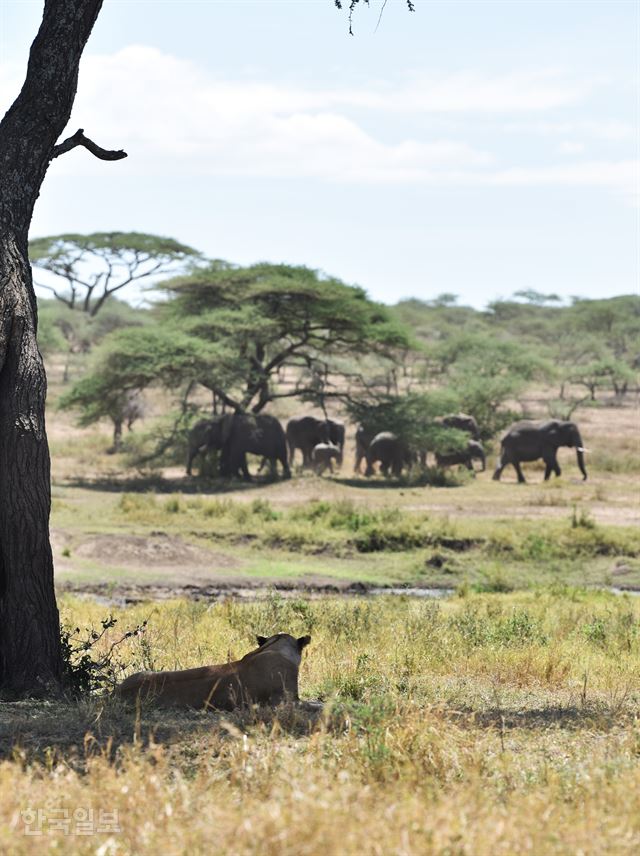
x=483, y=458
x=580, y=456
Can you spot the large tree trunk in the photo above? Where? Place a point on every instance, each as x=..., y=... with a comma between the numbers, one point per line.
x=30, y=659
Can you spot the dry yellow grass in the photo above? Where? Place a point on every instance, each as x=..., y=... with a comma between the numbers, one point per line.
x=485, y=724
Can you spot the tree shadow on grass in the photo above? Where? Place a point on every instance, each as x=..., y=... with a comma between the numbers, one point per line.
x=161, y=485
x=402, y=483
x=76, y=731
x=593, y=716
x=370, y=484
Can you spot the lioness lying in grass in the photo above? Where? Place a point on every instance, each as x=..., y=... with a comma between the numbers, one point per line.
x=268, y=675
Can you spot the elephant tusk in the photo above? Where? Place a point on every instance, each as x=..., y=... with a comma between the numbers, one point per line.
x=582, y=449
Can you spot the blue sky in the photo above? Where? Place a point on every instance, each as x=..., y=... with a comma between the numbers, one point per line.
x=474, y=147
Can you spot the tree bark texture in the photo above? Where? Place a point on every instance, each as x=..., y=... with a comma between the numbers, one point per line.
x=30, y=660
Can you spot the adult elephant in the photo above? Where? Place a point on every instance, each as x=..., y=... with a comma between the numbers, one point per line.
x=364, y=437
x=461, y=421
x=236, y=434
x=239, y=434
x=304, y=433
x=392, y=453
x=473, y=451
x=204, y=437
x=529, y=441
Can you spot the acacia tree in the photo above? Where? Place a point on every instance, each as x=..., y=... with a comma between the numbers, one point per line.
x=93, y=267
x=251, y=335
x=271, y=317
x=30, y=658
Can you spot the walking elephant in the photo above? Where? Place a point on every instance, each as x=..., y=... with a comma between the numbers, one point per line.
x=392, y=453
x=473, y=451
x=529, y=441
x=304, y=433
x=323, y=456
x=364, y=437
x=240, y=434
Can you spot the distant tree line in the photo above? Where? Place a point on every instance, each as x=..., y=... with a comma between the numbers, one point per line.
x=253, y=335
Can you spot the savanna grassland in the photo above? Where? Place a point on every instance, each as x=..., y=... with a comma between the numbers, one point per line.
x=481, y=724
x=117, y=526
x=502, y=718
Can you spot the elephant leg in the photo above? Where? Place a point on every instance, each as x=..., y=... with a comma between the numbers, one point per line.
x=498, y=470
x=225, y=465
x=518, y=469
x=246, y=475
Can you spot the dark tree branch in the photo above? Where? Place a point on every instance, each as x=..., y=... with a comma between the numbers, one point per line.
x=226, y=399
x=67, y=302
x=79, y=139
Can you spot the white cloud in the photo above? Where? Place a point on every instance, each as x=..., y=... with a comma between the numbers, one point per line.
x=611, y=130
x=570, y=147
x=167, y=114
x=472, y=92
x=623, y=175
x=171, y=117
x=620, y=176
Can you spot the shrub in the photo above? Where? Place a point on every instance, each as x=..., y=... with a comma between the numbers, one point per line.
x=83, y=671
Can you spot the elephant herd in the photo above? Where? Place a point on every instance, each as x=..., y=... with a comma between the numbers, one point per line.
x=393, y=454
x=321, y=443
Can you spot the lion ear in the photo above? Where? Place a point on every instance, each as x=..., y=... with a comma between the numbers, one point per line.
x=303, y=641
x=261, y=639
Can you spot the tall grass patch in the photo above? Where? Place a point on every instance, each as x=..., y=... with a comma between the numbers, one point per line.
x=503, y=723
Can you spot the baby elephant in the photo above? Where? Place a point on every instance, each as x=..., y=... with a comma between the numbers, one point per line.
x=465, y=456
x=323, y=455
